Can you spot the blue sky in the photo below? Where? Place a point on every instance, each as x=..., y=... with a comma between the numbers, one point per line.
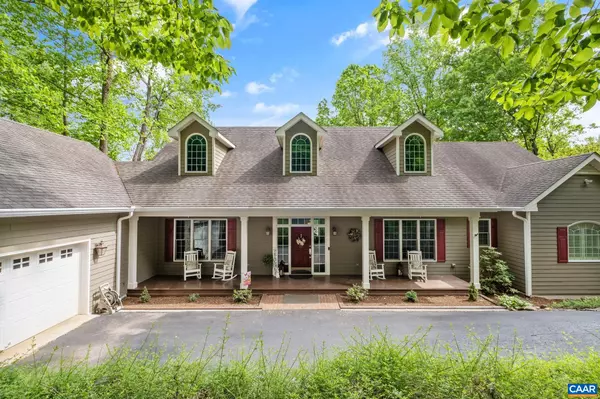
x=288, y=55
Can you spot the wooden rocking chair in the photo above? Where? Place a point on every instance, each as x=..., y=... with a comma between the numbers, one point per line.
x=224, y=271
x=416, y=268
x=191, y=267
x=376, y=270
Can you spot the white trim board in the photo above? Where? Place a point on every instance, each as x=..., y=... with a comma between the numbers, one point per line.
x=396, y=132
x=25, y=212
x=280, y=132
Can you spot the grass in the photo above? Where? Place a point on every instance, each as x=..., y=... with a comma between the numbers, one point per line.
x=372, y=366
x=579, y=304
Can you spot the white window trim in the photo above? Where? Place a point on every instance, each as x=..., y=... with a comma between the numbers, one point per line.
x=424, y=154
x=311, y=224
x=311, y=154
x=20, y=258
x=46, y=253
x=418, y=238
x=186, y=155
x=489, y=232
x=569, y=246
x=210, y=259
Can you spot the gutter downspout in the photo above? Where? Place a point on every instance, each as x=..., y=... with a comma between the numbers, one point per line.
x=526, y=249
x=119, y=224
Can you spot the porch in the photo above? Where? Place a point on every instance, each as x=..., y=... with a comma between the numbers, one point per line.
x=175, y=286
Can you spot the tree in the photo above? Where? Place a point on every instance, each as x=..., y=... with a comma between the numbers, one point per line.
x=563, y=53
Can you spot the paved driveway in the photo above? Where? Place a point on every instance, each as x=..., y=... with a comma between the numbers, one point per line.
x=304, y=329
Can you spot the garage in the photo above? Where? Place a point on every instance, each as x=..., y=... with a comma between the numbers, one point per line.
x=39, y=289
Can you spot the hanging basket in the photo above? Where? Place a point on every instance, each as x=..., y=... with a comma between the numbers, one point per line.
x=354, y=235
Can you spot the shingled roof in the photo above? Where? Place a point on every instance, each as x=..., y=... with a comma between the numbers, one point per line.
x=39, y=169
x=352, y=174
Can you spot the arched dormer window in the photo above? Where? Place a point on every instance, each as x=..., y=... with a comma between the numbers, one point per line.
x=414, y=153
x=584, y=241
x=301, y=154
x=195, y=154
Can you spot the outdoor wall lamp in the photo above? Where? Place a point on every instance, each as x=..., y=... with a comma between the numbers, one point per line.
x=587, y=182
x=100, y=248
x=334, y=231
x=268, y=231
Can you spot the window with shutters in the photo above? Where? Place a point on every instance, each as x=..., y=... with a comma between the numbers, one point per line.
x=403, y=235
x=206, y=236
x=584, y=242
x=485, y=233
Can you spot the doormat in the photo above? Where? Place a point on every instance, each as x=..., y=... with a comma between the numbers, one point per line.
x=300, y=298
x=300, y=274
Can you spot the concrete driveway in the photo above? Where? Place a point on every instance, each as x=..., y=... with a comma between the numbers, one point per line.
x=541, y=332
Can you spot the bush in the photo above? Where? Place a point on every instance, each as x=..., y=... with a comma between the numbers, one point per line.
x=193, y=297
x=411, y=296
x=578, y=304
x=357, y=293
x=145, y=296
x=495, y=276
x=473, y=293
x=242, y=296
x=513, y=302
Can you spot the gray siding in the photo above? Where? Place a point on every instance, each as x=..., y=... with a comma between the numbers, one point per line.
x=416, y=127
x=571, y=202
x=345, y=255
x=147, y=253
x=193, y=128
x=32, y=230
x=220, y=151
x=390, y=152
x=259, y=244
x=301, y=127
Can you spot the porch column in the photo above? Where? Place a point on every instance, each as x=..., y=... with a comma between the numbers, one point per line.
x=474, y=229
x=244, y=250
x=365, y=252
x=132, y=253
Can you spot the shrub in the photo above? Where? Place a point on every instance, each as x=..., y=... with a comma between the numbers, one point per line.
x=473, y=293
x=145, y=296
x=242, y=296
x=411, y=296
x=511, y=302
x=193, y=297
x=267, y=260
x=495, y=276
x=357, y=293
x=578, y=304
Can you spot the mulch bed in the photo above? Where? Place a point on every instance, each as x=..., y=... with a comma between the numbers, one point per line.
x=182, y=302
x=398, y=300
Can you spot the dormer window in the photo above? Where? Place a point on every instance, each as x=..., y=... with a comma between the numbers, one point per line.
x=414, y=154
x=195, y=154
x=301, y=154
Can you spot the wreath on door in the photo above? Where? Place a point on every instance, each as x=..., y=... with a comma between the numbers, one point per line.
x=300, y=240
x=354, y=235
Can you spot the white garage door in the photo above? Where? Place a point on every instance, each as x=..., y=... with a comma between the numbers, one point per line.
x=37, y=291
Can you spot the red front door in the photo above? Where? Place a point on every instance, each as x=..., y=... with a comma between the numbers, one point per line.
x=301, y=253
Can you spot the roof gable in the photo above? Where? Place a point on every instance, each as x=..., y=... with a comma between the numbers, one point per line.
x=195, y=117
x=301, y=117
x=436, y=131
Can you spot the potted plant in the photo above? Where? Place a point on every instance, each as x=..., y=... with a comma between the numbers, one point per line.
x=267, y=260
x=399, y=269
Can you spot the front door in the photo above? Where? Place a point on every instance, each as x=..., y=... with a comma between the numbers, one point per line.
x=301, y=244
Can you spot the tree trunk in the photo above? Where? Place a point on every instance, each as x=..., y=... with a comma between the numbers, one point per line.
x=107, y=59
x=65, y=98
x=141, y=144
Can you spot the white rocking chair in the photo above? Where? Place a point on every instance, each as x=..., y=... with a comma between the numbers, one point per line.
x=416, y=268
x=376, y=270
x=224, y=271
x=191, y=267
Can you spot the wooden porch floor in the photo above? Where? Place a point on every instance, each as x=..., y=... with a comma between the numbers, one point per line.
x=174, y=285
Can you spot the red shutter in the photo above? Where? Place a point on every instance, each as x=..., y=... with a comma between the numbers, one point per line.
x=231, y=234
x=441, y=240
x=494, y=232
x=562, y=244
x=169, y=240
x=378, y=225
x=468, y=234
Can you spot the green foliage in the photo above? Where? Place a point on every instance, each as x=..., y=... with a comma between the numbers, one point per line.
x=242, y=296
x=559, y=44
x=372, y=366
x=578, y=304
x=473, y=293
x=267, y=260
x=495, y=276
x=512, y=302
x=145, y=296
x=357, y=293
x=193, y=297
x=411, y=296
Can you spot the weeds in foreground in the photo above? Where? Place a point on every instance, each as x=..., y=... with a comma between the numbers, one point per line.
x=579, y=304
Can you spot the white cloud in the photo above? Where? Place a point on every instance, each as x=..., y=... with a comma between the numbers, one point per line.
x=370, y=38
x=276, y=110
x=360, y=31
x=257, y=88
x=290, y=74
x=241, y=7
x=227, y=94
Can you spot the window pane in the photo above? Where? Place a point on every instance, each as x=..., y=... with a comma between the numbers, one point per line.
x=484, y=233
x=414, y=154
x=218, y=239
x=391, y=239
x=427, y=239
x=409, y=237
x=301, y=154
x=282, y=244
x=182, y=238
x=201, y=238
x=196, y=154
x=300, y=220
x=283, y=221
x=584, y=241
x=318, y=250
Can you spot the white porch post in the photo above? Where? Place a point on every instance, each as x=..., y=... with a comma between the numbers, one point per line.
x=365, y=252
x=132, y=253
x=244, y=250
x=474, y=230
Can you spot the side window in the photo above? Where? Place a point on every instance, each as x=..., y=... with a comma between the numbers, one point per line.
x=20, y=263
x=484, y=233
x=584, y=242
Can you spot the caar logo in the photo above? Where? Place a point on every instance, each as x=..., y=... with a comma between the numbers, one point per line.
x=582, y=390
